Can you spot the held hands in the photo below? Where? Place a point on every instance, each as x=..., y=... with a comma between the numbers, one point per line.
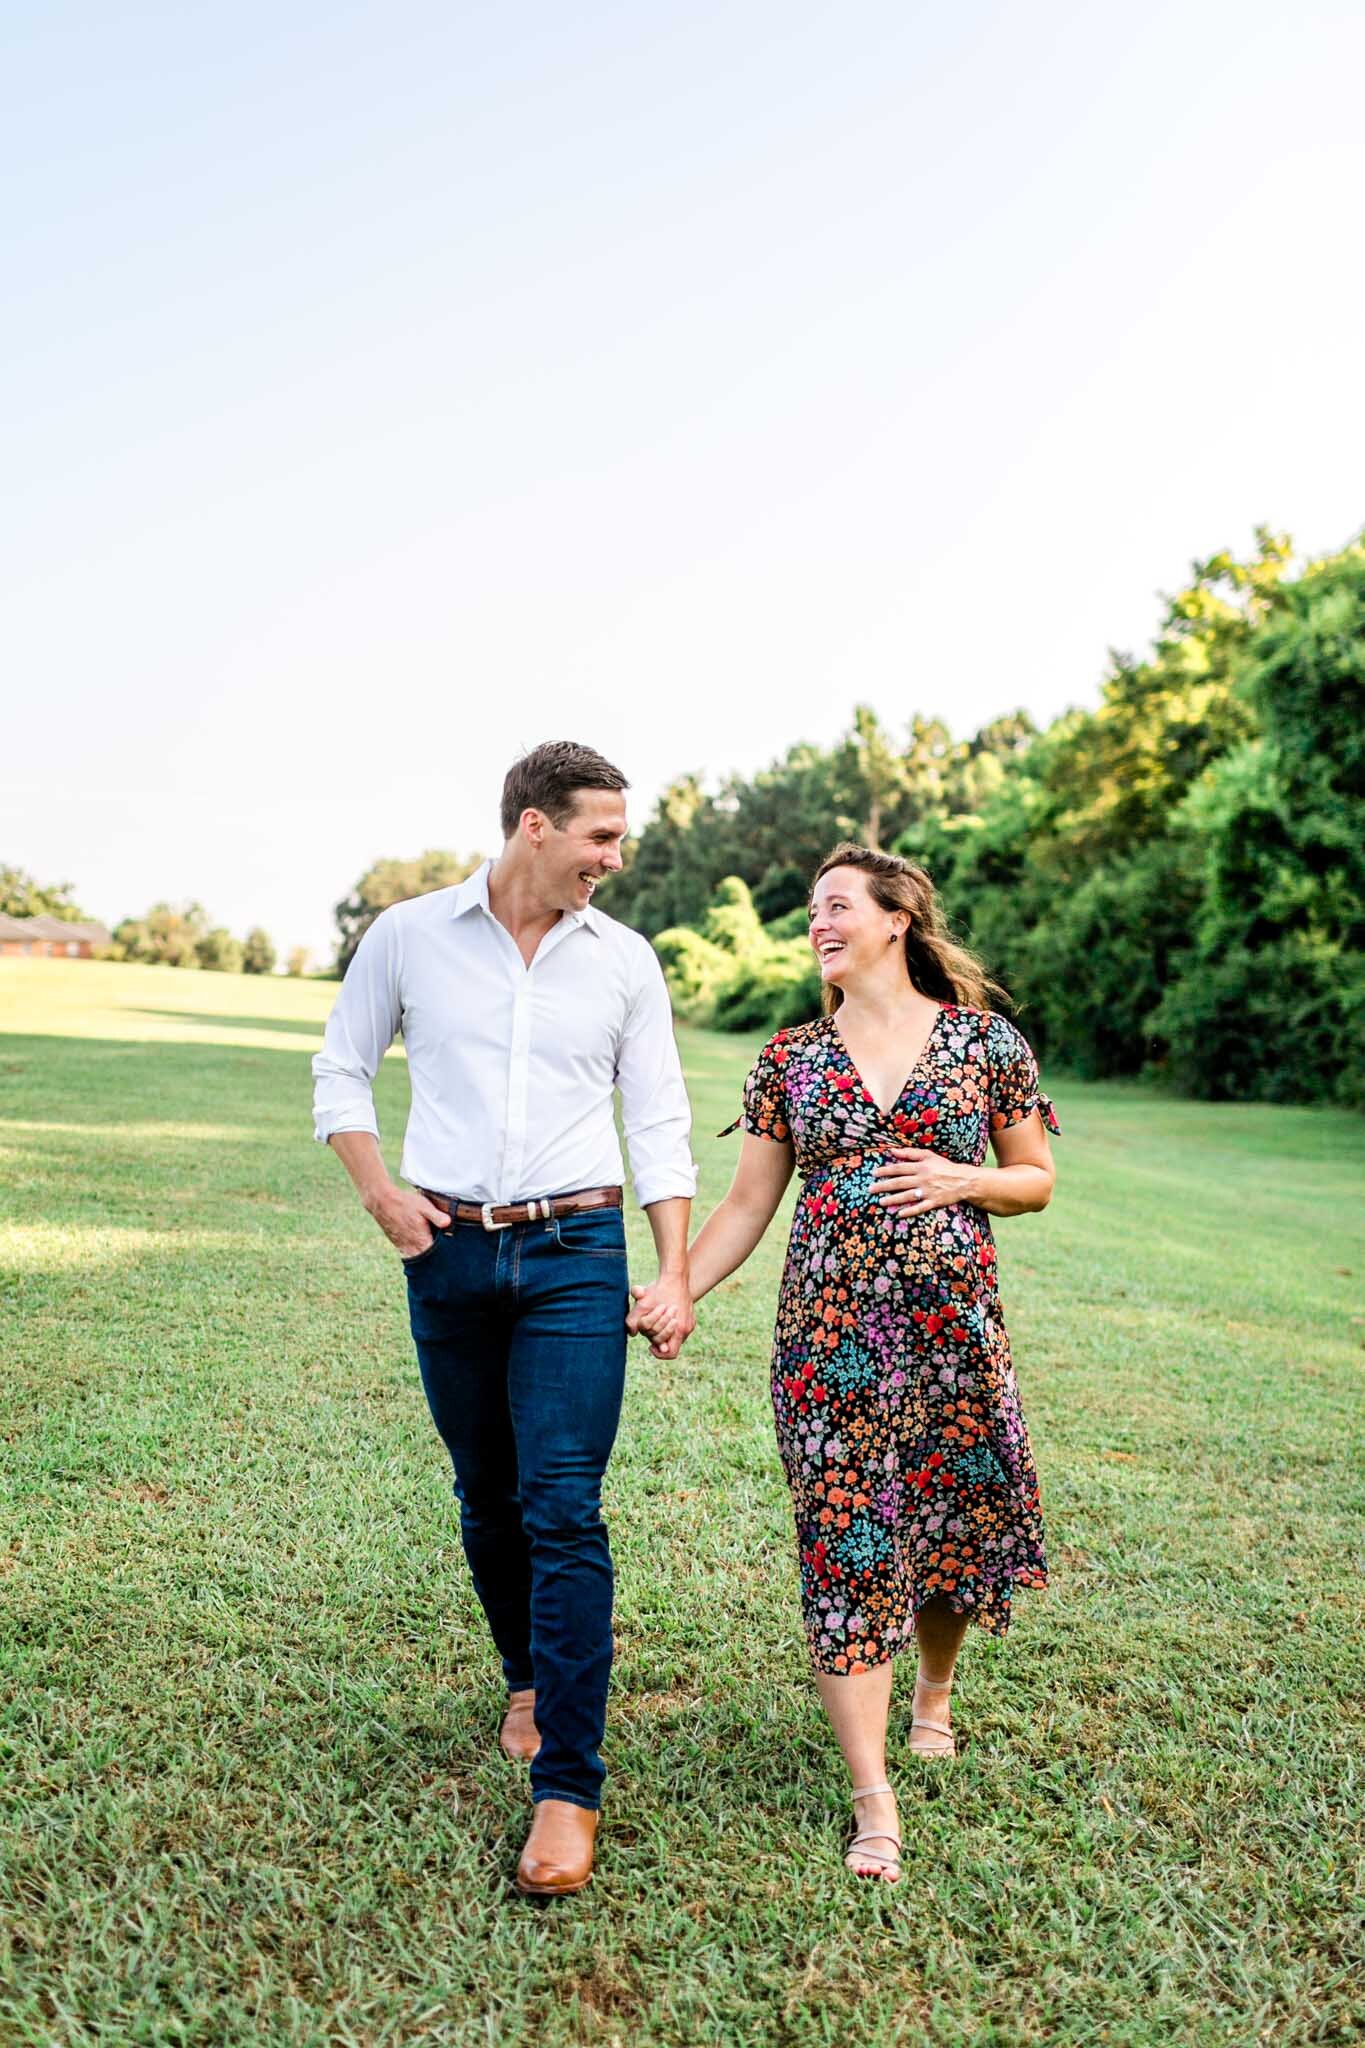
x=407, y=1219
x=663, y=1313
x=913, y=1181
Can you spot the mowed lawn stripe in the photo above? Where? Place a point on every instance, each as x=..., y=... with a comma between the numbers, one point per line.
x=250, y=1790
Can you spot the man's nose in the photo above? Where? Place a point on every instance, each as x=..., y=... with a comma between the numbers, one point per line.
x=612, y=862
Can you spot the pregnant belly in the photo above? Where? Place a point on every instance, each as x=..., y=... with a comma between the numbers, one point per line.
x=879, y=1254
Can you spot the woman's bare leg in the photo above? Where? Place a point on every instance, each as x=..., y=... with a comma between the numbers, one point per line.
x=857, y=1709
x=939, y=1633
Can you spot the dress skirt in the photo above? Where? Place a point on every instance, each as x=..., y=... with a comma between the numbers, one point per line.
x=897, y=1409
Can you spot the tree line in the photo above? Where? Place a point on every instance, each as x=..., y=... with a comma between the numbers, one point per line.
x=169, y=935
x=180, y=935
x=1170, y=884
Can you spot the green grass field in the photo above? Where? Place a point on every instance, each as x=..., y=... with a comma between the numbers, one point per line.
x=250, y=1790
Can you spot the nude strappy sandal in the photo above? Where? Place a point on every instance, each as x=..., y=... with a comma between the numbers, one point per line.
x=890, y=1869
x=947, y=1748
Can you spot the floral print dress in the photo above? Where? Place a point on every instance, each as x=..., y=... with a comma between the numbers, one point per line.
x=898, y=1416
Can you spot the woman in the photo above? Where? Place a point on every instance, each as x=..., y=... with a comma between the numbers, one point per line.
x=898, y=1417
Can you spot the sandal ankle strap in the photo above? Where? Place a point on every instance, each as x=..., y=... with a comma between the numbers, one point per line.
x=868, y=1791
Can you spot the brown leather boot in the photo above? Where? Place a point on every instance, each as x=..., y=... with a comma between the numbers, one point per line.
x=558, y=1853
x=520, y=1737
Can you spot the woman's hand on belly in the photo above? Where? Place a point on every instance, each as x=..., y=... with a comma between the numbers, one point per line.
x=913, y=1181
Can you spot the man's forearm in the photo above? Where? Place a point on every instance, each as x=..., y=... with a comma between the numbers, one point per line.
x=668, y=1220
x=359, y=1153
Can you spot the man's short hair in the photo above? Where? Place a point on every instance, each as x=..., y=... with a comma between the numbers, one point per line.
x=549, y=778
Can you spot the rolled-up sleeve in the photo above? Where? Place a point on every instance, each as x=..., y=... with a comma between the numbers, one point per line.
x=656, y=1116
x=365, y=1020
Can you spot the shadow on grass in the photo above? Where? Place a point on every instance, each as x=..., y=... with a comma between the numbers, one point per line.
x=108, y=1083
x=303, y=1026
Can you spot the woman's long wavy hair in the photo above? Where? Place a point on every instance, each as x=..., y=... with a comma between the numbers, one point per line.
x=934, y=960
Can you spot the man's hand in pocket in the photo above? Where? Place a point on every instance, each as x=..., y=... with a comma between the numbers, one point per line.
x=408, y=1219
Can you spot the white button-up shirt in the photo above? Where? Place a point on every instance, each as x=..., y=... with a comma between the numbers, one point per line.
x=511, y=1067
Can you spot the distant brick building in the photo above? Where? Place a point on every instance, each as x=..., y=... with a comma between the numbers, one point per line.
x=48, y=937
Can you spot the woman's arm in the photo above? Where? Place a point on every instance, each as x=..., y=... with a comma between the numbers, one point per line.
x=728, y=1235
x=915, y=1181
x=1025, y=1176
x=735, y=1225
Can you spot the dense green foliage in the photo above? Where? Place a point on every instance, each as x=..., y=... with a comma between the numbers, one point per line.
x=258, y=952
x=21, y=895
x=1173, y=882
x=736, y=972
x=168, y=936
x=180, y=935
x=774, y=831
x=219, y=951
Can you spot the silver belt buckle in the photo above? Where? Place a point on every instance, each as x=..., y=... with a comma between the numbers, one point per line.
x=486, y=1214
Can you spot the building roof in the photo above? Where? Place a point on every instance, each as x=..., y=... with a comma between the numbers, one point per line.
x=51, y=928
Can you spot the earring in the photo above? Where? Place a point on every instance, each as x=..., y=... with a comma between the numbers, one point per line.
x=892, y=940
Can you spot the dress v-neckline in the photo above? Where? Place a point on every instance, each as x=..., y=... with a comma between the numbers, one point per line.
x=886, y=1114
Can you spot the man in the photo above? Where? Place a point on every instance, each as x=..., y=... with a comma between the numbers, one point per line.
x=521, y=1007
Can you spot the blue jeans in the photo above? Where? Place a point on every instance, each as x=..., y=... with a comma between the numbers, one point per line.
x=521, y=1338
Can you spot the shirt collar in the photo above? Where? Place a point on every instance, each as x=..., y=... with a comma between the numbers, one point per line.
x=472, y=894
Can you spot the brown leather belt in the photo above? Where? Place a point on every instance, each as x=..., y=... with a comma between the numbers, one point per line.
x=498, y=1216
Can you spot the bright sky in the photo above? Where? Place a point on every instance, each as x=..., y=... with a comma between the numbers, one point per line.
x=389, y=388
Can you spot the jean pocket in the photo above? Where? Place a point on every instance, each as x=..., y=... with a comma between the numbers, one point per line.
x=600, y=1234
x=410, y=1264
